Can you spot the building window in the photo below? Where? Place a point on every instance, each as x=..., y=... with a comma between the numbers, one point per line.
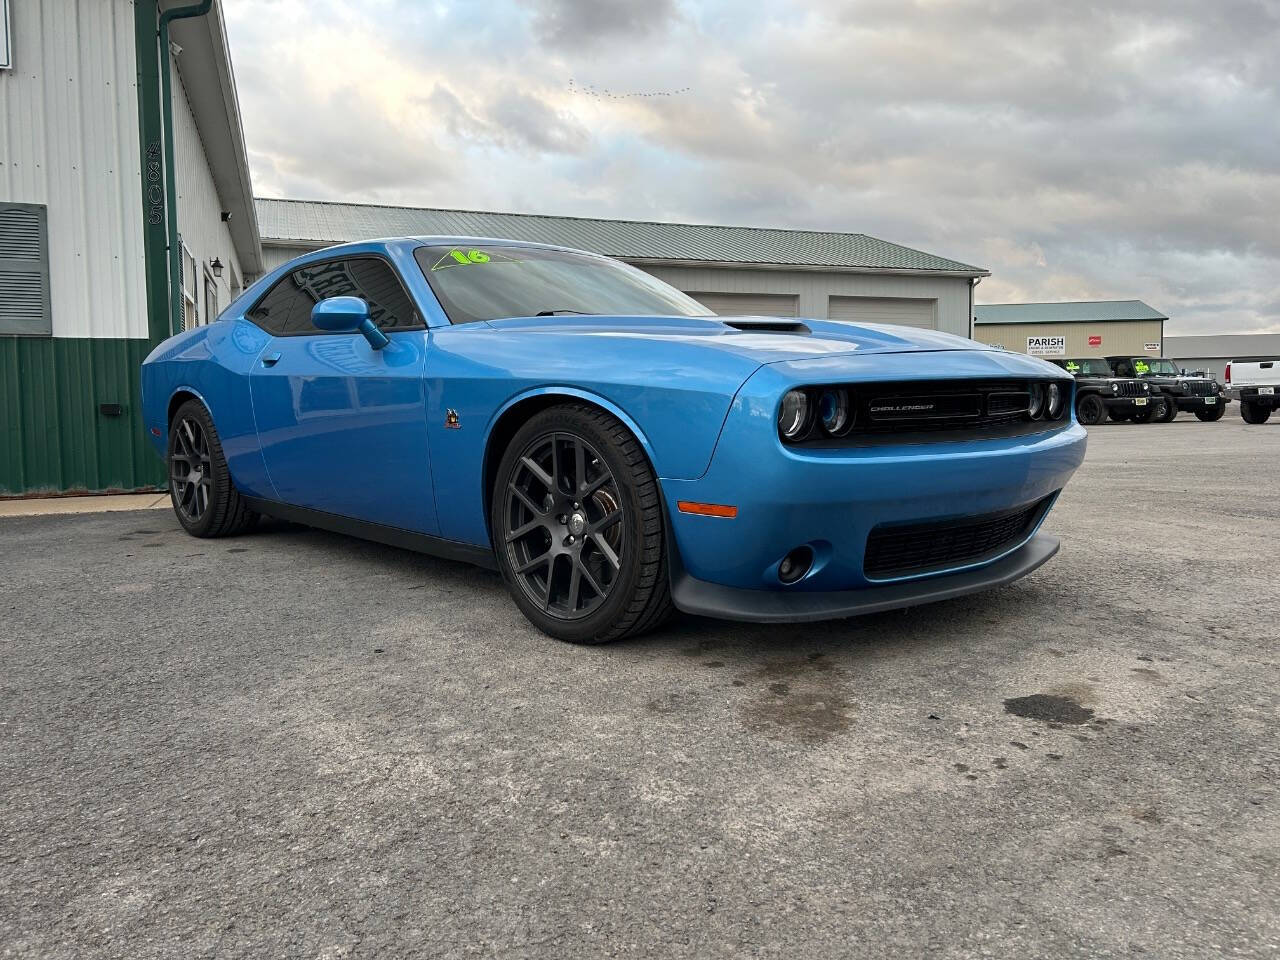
x=190, y=285
x=24, y=270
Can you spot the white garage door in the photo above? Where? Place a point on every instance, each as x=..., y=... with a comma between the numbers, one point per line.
x=904, y=311
x=749, y=304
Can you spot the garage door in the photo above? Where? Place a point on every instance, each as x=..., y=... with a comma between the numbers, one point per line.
x=749, y=304
x=907, y=312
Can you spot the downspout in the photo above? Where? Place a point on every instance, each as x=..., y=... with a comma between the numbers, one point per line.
x=170, y=174
x=973, y=283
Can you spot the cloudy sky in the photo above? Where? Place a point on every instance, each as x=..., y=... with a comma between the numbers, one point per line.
x=1078, y=150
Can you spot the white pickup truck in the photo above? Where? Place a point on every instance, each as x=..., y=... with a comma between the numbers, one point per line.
x=1255, y=382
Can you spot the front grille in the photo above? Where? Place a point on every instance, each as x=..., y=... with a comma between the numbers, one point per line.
x=1130, y=388
x=1199, y=388
x=900, y=550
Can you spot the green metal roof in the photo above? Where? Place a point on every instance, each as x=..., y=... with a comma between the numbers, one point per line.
x=320, y=223
x=1080, y=311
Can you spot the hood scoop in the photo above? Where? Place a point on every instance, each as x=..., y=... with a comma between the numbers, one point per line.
x=767, y=325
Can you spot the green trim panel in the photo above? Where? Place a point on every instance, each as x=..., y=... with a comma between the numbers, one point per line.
x=53, y=436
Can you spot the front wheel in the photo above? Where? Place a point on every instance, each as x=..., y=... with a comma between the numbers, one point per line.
x=578, y=527
x=205, y=500
x=1169, y=411
x=1090, y=410
x=1143, y=414
x=1254, y=412
x=1210, y=414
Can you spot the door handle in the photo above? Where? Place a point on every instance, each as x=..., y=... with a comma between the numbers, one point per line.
x=270, y=359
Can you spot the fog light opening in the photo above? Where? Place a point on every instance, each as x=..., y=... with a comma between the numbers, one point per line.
x=795, y=564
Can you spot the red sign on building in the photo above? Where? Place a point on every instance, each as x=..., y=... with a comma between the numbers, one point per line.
x=1095, y=341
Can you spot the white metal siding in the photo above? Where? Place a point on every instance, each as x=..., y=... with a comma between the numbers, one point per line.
x=199, y=208
x=748, y=304
x=813, y=289
x=69, y=140
x=903, y=311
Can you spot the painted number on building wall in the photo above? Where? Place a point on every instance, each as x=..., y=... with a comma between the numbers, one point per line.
x=1046, y=346
x=155, y=189
x=1095, y=340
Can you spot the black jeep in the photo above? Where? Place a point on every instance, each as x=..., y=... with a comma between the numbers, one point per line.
x=1202, y=396
x=1101, y=394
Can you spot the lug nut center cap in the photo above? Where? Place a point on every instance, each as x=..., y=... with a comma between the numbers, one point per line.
x=577, y=524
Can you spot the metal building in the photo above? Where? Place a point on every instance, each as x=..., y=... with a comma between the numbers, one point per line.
x=742, y=270
x=1212, y=353
x=1090, y=328
x=89, y=202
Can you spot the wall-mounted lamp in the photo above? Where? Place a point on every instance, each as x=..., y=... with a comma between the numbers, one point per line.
x=216, y=265
x=226, y=216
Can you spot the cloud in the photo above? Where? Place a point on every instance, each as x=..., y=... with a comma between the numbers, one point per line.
x=1085, y=150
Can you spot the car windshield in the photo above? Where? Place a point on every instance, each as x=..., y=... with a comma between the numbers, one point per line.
x=492, y=281
x=1158, y=367
x=1088, y=368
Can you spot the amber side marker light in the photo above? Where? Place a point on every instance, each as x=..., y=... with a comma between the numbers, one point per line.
x=707, y=509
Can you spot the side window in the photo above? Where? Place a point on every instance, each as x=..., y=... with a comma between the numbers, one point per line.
x=273, y=311
x=370, y=279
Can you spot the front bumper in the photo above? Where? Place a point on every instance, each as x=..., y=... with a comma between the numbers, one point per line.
x=780, y=606
x=1190, y=403
x=1126, y=404
x=831, y=499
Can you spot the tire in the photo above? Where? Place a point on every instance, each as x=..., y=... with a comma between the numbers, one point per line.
x=1210, y=414
x=556, y=549
x=209, y=506
x=1253, y=412
x=1144, y=414
x=1168, y=412
x=1090, y=410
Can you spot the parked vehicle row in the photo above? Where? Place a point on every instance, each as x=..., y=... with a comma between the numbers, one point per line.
x=1255, y=383
x=1141, y=389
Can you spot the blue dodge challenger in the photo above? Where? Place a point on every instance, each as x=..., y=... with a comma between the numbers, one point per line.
x=604, y=441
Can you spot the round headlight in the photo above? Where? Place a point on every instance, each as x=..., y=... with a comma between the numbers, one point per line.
x=793, y=418
x=1146, y=388
x=1037, y=401
x=1115, y=387
x=1057, y=400
x=1216, y=387
x=833, y=412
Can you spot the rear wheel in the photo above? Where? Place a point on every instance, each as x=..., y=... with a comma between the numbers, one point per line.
x=578, y=528
x=1209, y=414
x=1254, y=412
x=1090, y=410
x=1169, y=411
x=205, y=500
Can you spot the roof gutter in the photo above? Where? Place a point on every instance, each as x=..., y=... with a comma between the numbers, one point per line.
x=170, y=174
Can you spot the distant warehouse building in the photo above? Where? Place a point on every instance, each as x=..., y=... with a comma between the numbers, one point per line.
x=1090, y=328
x=1212, y=353
x=117, y=226
x=732, y=270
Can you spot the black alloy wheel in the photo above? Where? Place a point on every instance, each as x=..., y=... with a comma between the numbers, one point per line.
x=205, y=499
x=1169, y=411
x=578, y=527
x=1090, y=410
x=563, y=526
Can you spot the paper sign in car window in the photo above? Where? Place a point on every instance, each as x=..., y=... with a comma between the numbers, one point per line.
x=1073, y=367
x=1141, y=366
x=457, y=257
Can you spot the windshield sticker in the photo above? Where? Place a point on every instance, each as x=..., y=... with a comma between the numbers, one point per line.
x=458, y=257
x=1073, y=367
x=1141, y=367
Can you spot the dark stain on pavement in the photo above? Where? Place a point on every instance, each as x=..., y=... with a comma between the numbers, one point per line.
x=802, y=697
x=1049, y=708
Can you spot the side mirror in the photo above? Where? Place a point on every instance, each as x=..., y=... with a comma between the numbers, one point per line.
x=348, y=315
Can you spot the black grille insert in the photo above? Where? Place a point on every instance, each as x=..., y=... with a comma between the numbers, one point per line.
x=902, y=550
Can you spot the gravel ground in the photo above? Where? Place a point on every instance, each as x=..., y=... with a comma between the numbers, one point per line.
x=294, y=744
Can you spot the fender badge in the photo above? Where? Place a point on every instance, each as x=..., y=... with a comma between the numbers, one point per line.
x=451, y=420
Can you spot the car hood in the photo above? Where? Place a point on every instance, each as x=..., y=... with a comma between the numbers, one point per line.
x=762, y=339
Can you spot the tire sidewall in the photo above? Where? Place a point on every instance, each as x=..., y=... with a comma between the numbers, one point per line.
x=540, y=427
x=1090, y=410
